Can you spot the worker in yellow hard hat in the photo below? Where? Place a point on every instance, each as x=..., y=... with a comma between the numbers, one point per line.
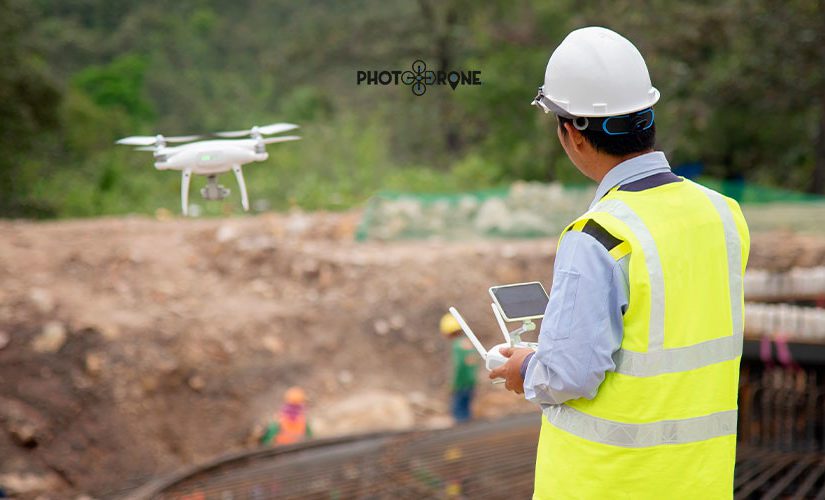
x=465, y=361
x=289, y=425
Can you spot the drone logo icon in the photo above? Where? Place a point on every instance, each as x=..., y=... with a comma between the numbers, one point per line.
x=419, y=81
x=418, y=77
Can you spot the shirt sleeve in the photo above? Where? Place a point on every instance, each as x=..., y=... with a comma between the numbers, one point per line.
x=582, y=326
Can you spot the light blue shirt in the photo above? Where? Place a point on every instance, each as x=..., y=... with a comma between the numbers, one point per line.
x=582, y=325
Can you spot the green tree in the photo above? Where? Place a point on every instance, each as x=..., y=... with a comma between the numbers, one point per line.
x=742, y=81
x=28, y=110
x=118, y=85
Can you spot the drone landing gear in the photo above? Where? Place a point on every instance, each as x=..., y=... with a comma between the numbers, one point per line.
x=184, y=192
x=212, y=191
x=241, y=186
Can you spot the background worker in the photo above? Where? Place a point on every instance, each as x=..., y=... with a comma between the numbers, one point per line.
x=638, y=359
x=289, y=425
x=464, y=365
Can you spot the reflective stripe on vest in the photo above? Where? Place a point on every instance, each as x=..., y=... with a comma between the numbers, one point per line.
x=658, y=360
x=687, y=430
x=734, y=258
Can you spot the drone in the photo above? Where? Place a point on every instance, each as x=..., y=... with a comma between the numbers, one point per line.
x=211, y=157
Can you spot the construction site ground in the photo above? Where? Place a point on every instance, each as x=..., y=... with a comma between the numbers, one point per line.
x=132, y=347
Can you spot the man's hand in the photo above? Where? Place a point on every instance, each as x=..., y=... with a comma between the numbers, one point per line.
x=511, y=371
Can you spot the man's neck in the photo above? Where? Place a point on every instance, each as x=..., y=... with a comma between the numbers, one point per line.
x=606, y=163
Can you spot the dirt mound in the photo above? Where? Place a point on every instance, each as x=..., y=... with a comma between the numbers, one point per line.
x=136, y=346
x=132, y=347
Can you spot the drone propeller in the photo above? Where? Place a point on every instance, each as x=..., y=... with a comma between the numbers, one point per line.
x=148, y=140
x=283, y=138
x=275, y=128
x=158, y=150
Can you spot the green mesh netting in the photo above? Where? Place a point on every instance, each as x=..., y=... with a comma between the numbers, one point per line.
x=754, y=193
x=538, y=210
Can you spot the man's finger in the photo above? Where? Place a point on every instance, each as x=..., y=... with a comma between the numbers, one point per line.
x=506, y=351
x=497, y=372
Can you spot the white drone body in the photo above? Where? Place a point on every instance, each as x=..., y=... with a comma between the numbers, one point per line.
x=212, y=157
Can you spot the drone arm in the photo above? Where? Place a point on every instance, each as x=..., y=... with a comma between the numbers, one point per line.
x=241, y=186
x=184, y=191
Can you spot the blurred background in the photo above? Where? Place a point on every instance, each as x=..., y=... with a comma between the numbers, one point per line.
x=742, y=85
x=136, y=344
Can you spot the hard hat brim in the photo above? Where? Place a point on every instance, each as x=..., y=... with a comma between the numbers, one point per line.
x=549, y=105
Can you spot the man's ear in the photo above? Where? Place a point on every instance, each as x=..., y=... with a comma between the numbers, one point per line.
x=576, y=139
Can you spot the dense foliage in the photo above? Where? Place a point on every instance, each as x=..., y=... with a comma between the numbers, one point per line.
x=743, y=86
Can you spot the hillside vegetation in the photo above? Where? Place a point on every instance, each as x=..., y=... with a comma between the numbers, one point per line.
x=743, y=87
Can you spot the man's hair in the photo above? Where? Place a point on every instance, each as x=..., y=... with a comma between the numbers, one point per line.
x=616, y=145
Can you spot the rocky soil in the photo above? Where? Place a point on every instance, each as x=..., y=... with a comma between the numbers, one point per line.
x=131, y=347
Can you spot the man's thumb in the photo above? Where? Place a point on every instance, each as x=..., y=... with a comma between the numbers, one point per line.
x=506, y=351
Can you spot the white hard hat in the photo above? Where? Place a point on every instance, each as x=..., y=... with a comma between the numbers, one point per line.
x=596, y=72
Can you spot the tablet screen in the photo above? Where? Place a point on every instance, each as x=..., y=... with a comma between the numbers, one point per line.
x=527, y=300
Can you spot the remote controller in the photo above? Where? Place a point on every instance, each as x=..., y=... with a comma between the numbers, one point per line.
x=496, y=359
x=492, y=358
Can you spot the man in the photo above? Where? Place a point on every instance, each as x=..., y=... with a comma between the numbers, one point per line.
x=637, y=365
x=465, y=361
x=289, y=425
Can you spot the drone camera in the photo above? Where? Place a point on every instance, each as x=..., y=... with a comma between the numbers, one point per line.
x=214, y=191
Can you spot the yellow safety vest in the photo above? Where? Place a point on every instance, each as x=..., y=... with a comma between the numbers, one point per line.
x=663, y=423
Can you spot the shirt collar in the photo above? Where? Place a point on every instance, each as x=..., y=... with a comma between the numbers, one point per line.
x=631, y=170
